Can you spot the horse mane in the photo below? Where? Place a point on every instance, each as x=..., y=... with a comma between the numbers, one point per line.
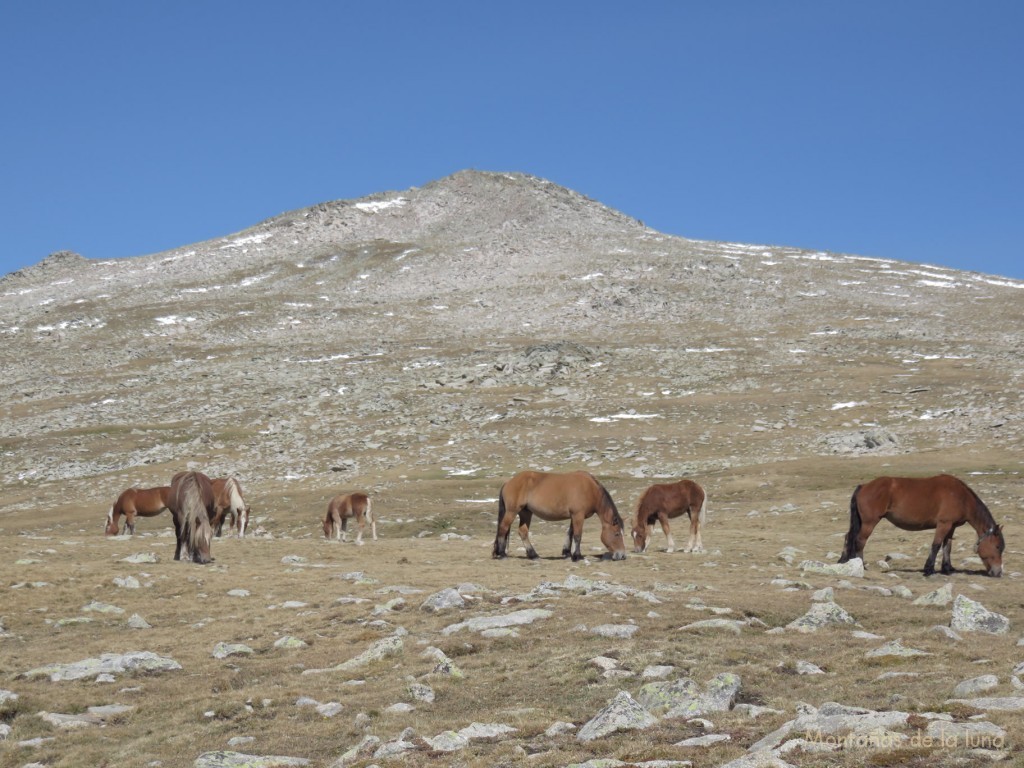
x=193, y=507
x=982, y=511
x=616, y=518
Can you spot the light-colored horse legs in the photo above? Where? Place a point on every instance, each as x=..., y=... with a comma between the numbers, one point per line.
x=671, y=543
x=694, y=544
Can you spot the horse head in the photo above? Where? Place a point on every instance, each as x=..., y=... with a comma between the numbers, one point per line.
x=640, y=535
x=990, y=548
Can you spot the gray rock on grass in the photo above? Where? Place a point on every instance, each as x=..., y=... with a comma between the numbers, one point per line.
x=623, y=713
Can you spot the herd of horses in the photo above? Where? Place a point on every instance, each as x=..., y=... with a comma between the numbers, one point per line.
x=199, y=507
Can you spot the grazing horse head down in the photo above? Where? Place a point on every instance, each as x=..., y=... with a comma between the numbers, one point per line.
x=349, y=505
x=942, y=502
x=663, y=501
x=135, y=502
x=192, y=504
x=572, y=496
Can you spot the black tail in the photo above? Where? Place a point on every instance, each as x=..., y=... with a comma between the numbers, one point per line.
x=850, y=550
x=500, y=546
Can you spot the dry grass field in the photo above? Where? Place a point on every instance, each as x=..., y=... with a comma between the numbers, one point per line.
x=436, y=535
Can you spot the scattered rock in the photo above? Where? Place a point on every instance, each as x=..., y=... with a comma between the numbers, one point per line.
x=622, y=714
x=684, y=698
x=975, y=685
x=223, y=650
x=241, y=760
x=852, y=568
x=144, y=662
x=443, y=601
x=941, y=596
x=894, y=648
x=819, y=616
x=971, y=616
x=516, y=618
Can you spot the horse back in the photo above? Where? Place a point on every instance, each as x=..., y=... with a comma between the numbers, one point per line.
x=179, y=489
x=348, y=505
x=915, y=503
x=671, y=500
x=554, y=495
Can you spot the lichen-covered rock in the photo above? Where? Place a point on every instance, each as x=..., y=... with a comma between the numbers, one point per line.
x=241, y=760
x=940, y=597
x=821, y=615
x=851, y=568
x=975, y=685
x=972, y=616
x=107, y=664
x=624, y=713
x=685, y=698
x=444, y=600
x=514, y=619
x=223, y=650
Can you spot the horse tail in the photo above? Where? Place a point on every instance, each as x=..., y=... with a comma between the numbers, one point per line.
x=235, y=494
x=702, y=513
x=499, y=547
x=368, y=512
x=850, y=550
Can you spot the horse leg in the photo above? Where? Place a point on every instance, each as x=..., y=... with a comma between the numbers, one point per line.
x=576, y=529
x=671, y=544
x=947, y=546
x=695, y=521
x=129, y=521
x=567, y=547
x=344, y=528
x=505, y=518
x=525, y=516
x=942, y=532
x=361, y=522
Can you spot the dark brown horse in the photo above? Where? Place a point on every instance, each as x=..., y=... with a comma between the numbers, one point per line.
x=573, y=496
x=663, y=501
x=192, y=503
x=922, y=503
x=349, y=505
x=136, y=502
x=229, y=503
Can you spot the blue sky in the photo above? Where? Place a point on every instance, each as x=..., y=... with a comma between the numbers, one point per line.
x=889, y=129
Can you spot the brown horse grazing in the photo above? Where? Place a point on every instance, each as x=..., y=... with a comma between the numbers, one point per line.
x=341, y=508
x=191, y=503
x=136, y=502
x=919, y=503
x=664, y=501
x=572, y=496
x=229, y=502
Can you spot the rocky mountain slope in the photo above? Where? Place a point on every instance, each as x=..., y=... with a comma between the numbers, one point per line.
x=484, y=323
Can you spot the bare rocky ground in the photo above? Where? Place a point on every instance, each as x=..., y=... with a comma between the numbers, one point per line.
x=424, y=345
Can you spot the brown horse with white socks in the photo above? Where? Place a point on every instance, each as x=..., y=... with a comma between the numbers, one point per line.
x=664, y=501
x=921, y=503
x=572, y=496
x=136, y=502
